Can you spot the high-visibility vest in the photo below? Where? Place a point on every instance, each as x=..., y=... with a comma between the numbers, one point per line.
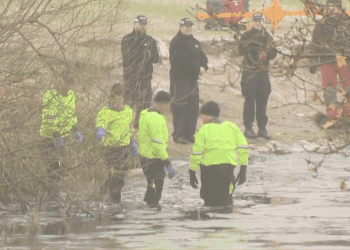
x=218, y=143
x=116, y=124
x=153, y=135
x=58, y=113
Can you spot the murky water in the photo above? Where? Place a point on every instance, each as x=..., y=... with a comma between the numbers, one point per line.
x=282, y=205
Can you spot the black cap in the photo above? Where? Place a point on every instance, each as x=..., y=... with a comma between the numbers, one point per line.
x=117, y=90
x=185, y=22
x=211, y=108
x=162, y=96
x=140, y=19
x=258, y=16
x=335, y=2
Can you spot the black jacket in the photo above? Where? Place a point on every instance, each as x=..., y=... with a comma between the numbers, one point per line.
x=251, y=44
x=186, y=58
x=331, y=35
x=139, y=53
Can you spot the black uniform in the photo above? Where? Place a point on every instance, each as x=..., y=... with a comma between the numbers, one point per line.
x=139, y=52
x=186, y=58
x=116, y=160
x=256, y=86
x=154, y=170
x=52, y=157
x=216, y=180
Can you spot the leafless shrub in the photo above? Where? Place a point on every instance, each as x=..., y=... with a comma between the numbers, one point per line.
x=38, y=40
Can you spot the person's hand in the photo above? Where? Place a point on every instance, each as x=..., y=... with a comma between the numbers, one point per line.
x=171, y=172
x=134, y=147
x=193, y=179
x=262, y=56
x=78, y=137
x=241, y=177
x=270, y=45
x=100, y=133
x=59, y=142
x=313, y=69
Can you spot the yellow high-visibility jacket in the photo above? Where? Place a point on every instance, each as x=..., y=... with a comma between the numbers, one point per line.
x=58, y=113
x=153, y=135
x=218, y=143
x=116, y=124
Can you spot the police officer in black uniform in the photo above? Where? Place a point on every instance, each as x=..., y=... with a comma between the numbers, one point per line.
x=140, y=52
x=257, y=47
x=186, y=59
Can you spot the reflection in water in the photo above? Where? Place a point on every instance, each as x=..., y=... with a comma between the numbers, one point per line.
x=69, y=226
x=266, y=199
x=202, y=213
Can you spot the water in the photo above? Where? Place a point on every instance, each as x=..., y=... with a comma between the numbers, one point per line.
x=282, y=205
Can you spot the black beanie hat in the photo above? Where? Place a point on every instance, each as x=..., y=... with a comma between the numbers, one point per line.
x=117, y=90
x=162, y=96
x=67, y=76
x=211, y=108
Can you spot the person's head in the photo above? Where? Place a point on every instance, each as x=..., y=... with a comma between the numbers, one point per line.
x=162, y=101
x=209, y=111
x=258, y=21
x=334, y=7
x=116, y=97
x=140, y=24
x=66, y=82
x=186, y=26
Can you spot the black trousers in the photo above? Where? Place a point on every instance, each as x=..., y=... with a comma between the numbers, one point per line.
x=216, y=180
x=256, y=88
x=185, y=108
x=154, y=171
x=52, y=158
x=116, y=159
x=138, y=94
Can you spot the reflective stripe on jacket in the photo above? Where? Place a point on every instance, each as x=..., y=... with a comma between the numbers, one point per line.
x=58, y=113
x=153, y=135
x=218, y=143
x=116, y=124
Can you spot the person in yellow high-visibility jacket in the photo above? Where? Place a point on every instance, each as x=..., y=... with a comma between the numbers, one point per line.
x=113, y=125
x=215, y=154
x=58, y=122
x=153, y=142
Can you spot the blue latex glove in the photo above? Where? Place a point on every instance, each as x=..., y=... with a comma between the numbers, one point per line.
x=59, y=142
x=134, y=147
x=78, y=137
x=100, y=133
x=171, y=172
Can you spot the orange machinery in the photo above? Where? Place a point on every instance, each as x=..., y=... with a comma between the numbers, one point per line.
x=222, y=13
x=235, y=14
